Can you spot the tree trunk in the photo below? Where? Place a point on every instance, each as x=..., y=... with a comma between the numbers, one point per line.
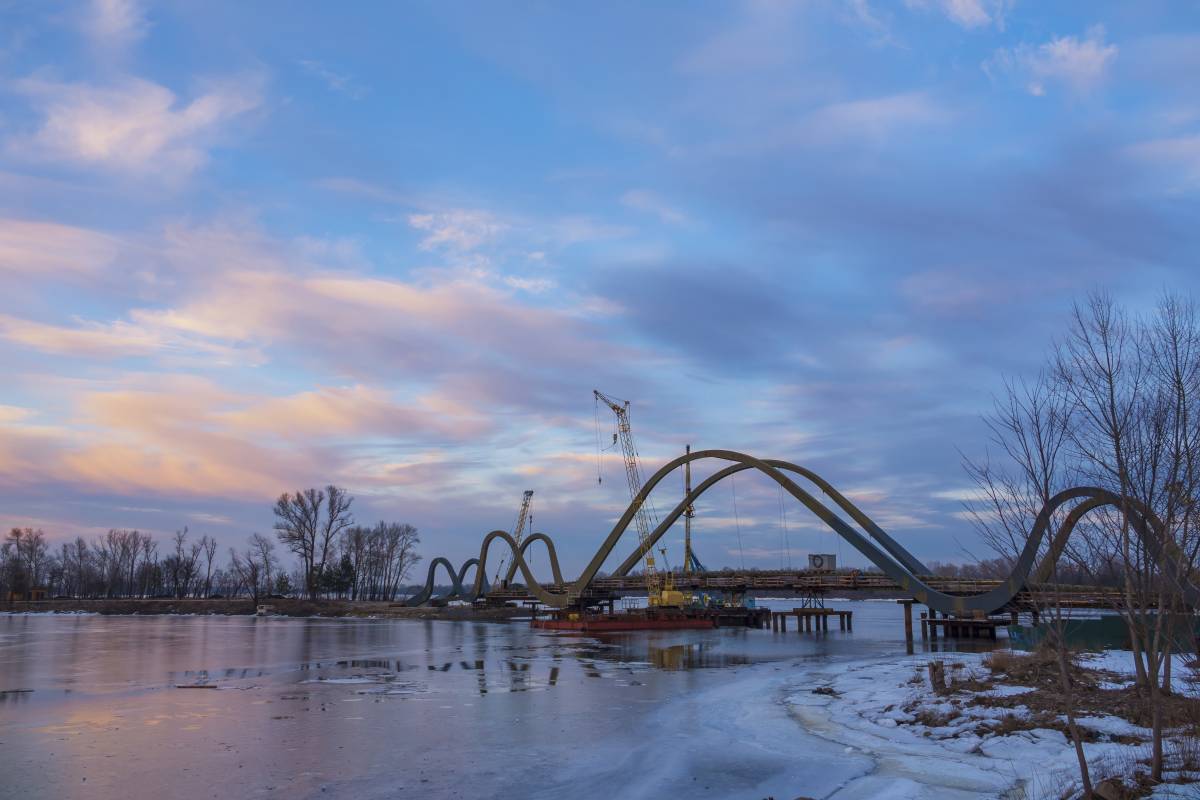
x=1156, y=759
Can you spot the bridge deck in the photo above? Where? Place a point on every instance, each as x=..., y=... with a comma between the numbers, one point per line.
x=799, y=580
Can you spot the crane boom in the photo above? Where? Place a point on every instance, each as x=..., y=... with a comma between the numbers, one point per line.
x=517, y=533
x=654, y=581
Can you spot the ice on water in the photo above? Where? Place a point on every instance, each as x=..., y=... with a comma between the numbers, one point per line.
x=379, y=708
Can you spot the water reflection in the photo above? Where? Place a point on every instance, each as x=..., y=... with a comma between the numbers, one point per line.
x=302, y=702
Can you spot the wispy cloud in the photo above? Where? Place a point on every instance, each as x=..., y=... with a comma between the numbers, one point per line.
x=1079, y=65
x=46, y=249
x=13, y=413
x=968, y=14
x=459, y=230
x=335, y=81
x=649, y=202
x=117, y=339
x=1181, y=155
x=134, y=125
x=114, y=24
x=531, y=285
x=872, y=118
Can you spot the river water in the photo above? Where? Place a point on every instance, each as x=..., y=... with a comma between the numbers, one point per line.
x=353, y=708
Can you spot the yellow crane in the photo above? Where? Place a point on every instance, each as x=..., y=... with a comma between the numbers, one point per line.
x=517, y=533
x=658, y=596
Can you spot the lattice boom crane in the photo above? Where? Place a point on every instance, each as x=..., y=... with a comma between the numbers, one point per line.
x=517, y=533
x=654, y=581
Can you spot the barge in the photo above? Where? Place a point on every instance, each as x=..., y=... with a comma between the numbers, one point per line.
x=649, y=619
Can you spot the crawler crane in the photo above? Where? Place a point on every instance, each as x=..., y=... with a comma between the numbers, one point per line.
x=517, y=532
x=658, y=596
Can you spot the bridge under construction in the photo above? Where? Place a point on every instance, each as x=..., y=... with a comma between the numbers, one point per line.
x=899, y=569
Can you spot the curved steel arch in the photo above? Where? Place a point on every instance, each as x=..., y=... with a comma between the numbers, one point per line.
x=537, y=537
x=892, y=559
x=425, y=594
x=893, y=548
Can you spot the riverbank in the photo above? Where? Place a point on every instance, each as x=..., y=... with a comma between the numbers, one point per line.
x=995, y=729
x=292, y=607
x=287, y=607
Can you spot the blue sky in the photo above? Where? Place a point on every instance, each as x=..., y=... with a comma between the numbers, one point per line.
x=249, y=248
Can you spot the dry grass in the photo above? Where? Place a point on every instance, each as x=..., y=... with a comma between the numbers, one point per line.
x=998, y=662
x=1129, y=771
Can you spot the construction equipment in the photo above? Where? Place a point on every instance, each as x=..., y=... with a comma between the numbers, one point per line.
x=654, y=581
x=690, y=562
x=518, y=531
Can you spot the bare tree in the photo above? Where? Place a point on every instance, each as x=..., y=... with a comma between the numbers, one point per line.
x=307, y=533
x=380, y=557
x=1030, y=424
x=182, y=566
x=337, y=519
x=263, y=551
x=298, y=517
x=398, y=554
x=208, y=545
x=1114, y=411
x=149, y=565
x=31, y=550
x=250, y=569
x=1131, y=382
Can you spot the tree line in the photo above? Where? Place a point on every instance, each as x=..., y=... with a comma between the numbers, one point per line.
x=1115, y=407
x=336, y=558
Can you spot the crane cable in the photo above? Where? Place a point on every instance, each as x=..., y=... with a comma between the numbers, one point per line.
x=601, y=450
x=599, y=471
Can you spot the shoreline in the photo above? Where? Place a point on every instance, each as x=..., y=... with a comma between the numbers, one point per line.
x=334, y=609
x=244, y=607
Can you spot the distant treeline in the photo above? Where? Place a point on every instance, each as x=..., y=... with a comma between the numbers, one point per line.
x=357, y=562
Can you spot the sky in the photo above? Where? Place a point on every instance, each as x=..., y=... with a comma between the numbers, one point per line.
x=248, y=248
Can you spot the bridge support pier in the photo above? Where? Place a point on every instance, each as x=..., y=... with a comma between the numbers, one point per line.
x=908, y=626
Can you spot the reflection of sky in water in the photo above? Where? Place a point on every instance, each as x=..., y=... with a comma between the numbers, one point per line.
x=360, y=706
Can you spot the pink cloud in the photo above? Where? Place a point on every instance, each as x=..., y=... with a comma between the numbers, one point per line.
x=46, y=249
x=132, y=125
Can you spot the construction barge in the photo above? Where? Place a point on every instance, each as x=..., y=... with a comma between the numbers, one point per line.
x=651, y=619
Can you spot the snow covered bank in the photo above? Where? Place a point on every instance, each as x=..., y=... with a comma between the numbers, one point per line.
x=952, y=747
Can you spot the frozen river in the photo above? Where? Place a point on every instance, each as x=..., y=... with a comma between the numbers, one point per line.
x=404, y=708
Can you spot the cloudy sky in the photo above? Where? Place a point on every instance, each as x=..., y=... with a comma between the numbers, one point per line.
x=253, y=247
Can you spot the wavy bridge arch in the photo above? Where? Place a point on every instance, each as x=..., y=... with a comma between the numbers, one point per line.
x=883, y=551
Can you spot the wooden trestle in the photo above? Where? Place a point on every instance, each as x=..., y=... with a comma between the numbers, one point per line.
x=806, y=616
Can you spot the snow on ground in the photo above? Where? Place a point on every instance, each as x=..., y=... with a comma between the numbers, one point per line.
x=874, y=713
x=1121, y=661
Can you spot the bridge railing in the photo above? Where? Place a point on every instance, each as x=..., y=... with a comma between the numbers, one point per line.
x=800, y=581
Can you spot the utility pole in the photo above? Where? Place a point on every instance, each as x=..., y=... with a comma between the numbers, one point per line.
x=687, y=515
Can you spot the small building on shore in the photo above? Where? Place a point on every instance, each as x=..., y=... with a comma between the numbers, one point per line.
x=29, y=594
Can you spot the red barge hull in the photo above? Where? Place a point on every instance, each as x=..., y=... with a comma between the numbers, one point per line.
x=653, y=620
x=605, y=625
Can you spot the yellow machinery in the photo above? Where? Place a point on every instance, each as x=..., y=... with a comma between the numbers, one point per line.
x=670, y=596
